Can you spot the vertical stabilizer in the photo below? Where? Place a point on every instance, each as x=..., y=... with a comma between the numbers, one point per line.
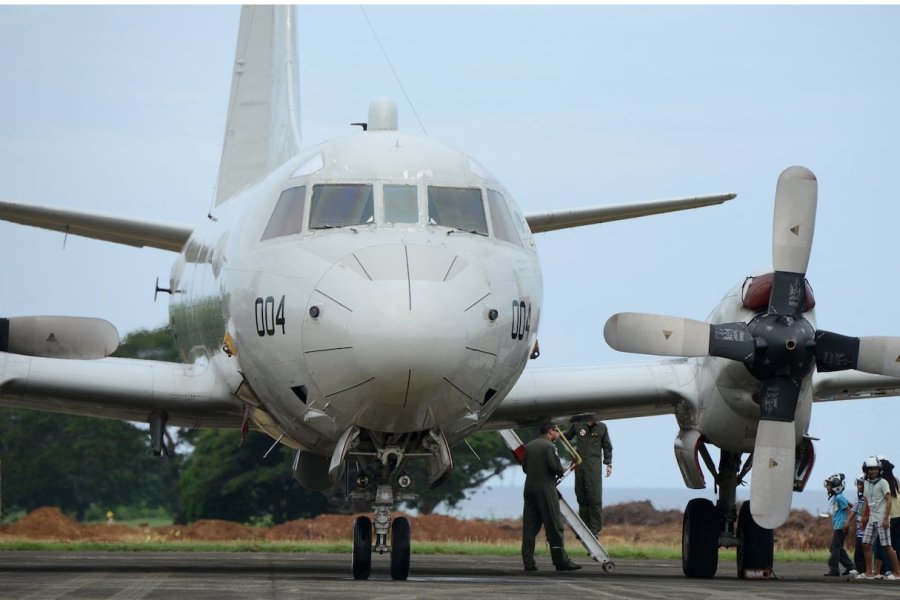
x=263, y=130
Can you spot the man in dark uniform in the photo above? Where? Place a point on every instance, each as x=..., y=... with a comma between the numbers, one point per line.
x=592, y=442
x=542, y=469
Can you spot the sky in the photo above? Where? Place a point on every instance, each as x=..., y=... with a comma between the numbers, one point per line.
x=122, y=109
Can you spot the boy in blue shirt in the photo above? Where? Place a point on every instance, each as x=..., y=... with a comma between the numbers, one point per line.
x=840, y=512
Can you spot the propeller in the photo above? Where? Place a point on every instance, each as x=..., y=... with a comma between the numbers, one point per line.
x=779, y=346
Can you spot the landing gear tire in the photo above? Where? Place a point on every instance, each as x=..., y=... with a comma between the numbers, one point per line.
x=362, y=548
x=756, y=547
x=400, y=548
x=700, y=539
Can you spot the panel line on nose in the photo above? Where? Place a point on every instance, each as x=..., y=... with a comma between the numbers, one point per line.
x=450, y=268
x=408, y=380
x=408, y=280
x=361, y=266
x=482, y=351
x=333, y=300
x=328, y=349
x=477, y=301
x=457, y=388
x=349, y=388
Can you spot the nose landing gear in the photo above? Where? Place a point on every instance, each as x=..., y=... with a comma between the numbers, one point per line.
x=383, y=482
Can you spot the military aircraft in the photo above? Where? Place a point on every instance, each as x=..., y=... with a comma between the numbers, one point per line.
x=761, y=363
x=372, y=299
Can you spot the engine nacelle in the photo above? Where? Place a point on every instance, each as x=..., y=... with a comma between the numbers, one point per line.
x=79, y=338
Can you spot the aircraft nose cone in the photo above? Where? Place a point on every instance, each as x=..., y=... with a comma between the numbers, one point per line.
x=402, y=336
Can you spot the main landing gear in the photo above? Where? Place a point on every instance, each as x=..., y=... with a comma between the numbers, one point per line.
x=707, y=527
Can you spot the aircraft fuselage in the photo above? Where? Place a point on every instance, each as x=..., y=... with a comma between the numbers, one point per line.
x=382, y=280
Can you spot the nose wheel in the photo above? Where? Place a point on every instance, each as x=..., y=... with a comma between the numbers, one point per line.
x=400, y=548
x=362, y=548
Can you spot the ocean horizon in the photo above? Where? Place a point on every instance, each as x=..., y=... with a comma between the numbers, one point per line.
x=504, y=500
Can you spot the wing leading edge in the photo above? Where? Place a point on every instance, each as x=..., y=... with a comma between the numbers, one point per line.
x=577, y=217
x=116, y=388
x=613, y=392
x=99, y=226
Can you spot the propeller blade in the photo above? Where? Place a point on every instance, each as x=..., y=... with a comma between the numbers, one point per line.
x=792, y=234
x=772, y=480
x=879, y=355
x=731, y=340
x=774, y=451
x=657, y=334
x=835, y=352
x=795, y=219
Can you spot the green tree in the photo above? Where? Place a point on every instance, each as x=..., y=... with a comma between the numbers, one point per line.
x=72, y=462
x=149, y=344
x=482, y=456
x=223, y=480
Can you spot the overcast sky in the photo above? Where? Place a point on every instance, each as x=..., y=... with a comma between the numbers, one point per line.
x=122, y=109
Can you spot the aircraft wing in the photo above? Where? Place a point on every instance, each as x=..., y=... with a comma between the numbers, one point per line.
x=613, y=392
x=118, y=388
x=853, y=385
x=100, y=226
x=576, y=217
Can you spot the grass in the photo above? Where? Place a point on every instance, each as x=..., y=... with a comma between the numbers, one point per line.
x=631, y=551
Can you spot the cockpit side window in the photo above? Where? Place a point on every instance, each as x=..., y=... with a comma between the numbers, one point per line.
x=287, y=218
x=341, y=205
x=401, y=204
x=504, y=229
x=461, y=208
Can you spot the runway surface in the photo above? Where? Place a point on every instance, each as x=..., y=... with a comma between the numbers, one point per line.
x=208, y=576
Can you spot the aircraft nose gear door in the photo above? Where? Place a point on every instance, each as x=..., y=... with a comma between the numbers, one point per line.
x=591, y=544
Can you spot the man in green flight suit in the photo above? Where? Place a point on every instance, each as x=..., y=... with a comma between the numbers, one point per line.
x=542, y=469
x=592, y=442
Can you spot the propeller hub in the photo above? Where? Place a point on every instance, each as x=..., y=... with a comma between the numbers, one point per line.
x=784, y=347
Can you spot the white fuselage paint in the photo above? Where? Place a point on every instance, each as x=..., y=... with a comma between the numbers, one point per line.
x=384, y=326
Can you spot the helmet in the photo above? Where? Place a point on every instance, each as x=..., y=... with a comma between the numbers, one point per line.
x=860, y=478
x=836, y=481
x=885, y=462
x=872, y=463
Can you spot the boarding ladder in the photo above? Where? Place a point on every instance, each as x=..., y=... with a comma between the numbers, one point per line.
x=594, y=549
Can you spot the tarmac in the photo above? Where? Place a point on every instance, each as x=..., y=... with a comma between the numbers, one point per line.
x=208, y=576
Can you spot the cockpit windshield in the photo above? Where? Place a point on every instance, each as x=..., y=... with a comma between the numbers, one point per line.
x=287, y=218
x=341, y=205
x=461, y=208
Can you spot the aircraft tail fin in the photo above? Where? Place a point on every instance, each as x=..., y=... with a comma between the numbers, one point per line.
x=263, y=126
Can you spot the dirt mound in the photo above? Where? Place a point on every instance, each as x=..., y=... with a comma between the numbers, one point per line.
x=624, y=524
x=803, y=531
x=46, y=523
x=640, y=513
x=436, y=528
x=211, y=530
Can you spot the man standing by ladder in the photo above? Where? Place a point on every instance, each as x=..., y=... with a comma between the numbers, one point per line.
x=593, y=445
x=542, y=468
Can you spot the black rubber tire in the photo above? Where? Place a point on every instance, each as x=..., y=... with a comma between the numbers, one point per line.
x=756, y=545
x=700, y=539
x=362, y=548
x=401, y=536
